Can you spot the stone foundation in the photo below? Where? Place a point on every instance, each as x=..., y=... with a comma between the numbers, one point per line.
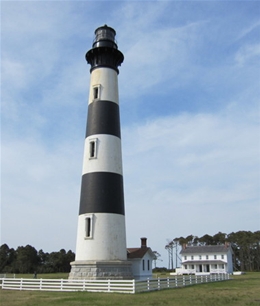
x=101, y=270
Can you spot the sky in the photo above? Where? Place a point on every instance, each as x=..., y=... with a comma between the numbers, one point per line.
x=189, y=92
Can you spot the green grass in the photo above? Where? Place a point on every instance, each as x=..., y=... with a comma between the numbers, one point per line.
x=240, y=291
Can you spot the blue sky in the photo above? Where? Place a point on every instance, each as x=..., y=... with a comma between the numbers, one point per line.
x=189, y=101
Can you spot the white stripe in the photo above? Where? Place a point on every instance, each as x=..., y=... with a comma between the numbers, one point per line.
x=106, y=79
x=108, y=240
x=108, y=154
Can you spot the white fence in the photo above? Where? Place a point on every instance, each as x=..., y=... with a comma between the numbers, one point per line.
x=121, y=286
x=178, y=281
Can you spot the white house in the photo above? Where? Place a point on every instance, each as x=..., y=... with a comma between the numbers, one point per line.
x=142, y=259
x=207, y=259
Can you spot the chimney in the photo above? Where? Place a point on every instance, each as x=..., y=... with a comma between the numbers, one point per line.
x=143, y=242
x=184, y=246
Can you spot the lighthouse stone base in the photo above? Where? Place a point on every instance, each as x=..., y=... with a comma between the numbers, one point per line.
x=101, y=270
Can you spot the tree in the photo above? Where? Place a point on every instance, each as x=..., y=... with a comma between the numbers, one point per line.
x=206, y=240
x=169, y=247
x=7, y=257
x=156, y=256
x=219, y=238
x=27, y=259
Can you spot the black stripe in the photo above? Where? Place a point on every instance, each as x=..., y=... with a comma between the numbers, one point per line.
x=102, y=192
x=103, y=118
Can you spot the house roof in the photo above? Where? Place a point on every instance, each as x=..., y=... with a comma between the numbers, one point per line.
x=202, y=249
x=137, y=252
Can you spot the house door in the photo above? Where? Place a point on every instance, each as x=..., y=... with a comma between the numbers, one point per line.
x=200, y=266
x=207, y=268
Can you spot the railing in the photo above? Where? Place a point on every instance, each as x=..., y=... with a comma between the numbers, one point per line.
x=120, y=286
x=178, y=281
x=123, y=286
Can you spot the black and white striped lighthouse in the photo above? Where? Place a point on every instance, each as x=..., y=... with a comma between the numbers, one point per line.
x=101, y=236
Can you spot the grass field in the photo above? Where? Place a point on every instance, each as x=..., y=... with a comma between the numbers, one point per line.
x=240, y=291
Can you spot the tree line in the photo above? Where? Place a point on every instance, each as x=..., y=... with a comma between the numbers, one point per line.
x=28, y=260
x=245, y=246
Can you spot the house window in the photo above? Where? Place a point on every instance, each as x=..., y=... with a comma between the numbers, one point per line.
x=192, y=257
x=222, y=256
x=207, y=256
x=192, y=267
x=200, y=257
x=148, y=264
x=143, y=265
x=222, y=266
x=185, y=267
x=96, y=92
x=93, y=148
x=215, y=256
x=185, y=257
x=89, y=226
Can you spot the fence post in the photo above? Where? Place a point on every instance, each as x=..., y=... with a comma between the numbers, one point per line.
x=61, y=284
x=196, y=279
x=133, y=286
x=159, y=284
x=21, y=284
x=108, y=285
x=40, y=285
x=148, y=284
x=168, y=282
x=176, y=281
x=190, y=280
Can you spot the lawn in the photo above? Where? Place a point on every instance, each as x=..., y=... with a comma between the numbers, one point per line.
x=240, y=291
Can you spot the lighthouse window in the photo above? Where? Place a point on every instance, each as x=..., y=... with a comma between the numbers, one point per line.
x=88, y=227
x=93, y=148
x=96, y=92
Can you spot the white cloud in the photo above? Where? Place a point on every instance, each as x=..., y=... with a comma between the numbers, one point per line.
x=248, y=53
x=179, y=170
x=253, y=26
x=163, y=55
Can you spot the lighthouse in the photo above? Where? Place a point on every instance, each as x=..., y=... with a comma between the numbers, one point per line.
x=101, y=236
